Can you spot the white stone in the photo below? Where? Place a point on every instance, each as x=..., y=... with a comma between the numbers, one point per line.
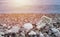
x=41, y=35
x=32, y=33
x=13, y=29
x=28, y=26
x=1, y=33
x=56, y=32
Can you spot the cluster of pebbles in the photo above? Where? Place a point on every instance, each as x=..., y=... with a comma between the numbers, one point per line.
x=32, y=30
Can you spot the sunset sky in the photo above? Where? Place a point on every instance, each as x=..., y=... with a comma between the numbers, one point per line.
x=29, y=6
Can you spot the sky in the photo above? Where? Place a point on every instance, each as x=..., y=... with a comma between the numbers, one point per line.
x=29, y=6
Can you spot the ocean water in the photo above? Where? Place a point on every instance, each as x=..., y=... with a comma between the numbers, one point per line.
x=52, y=9
x=34, y=9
